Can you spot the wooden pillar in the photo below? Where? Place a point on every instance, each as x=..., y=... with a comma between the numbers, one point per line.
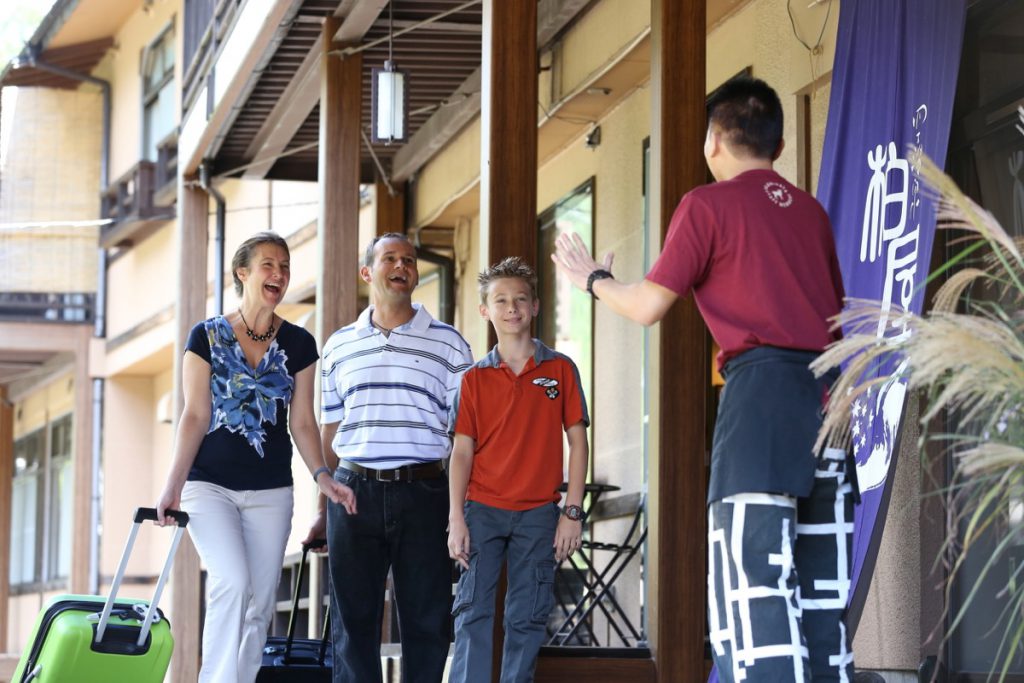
x=6, y=467
x=341, y=99
x=193, y=238
x=678, y=125
x=508, y=137
x=508, y=160
x=82, y=531
x=390, y=209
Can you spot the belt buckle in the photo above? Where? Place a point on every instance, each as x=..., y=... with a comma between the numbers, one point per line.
x=390, y=476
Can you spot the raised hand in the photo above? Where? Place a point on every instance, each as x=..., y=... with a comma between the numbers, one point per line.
x=573, y=258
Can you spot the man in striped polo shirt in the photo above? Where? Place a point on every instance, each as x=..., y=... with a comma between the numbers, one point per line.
x=388, y=382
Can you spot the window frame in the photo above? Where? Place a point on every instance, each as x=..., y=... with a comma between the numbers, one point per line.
x=46, y=537
x=547, y=220
x=150, y=95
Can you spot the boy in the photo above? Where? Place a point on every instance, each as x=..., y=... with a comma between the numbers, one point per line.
x=505, y=470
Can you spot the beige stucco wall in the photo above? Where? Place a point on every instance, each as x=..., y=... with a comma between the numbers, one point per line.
x=121, y=66
x=51, y=173
x=48, y=401
x=128, y=430
x=449, y=174
x=889, y=633
x=760, y=36
x=584, y=50
x=142, y=281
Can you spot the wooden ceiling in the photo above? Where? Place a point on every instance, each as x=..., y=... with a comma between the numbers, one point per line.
x=438, y=58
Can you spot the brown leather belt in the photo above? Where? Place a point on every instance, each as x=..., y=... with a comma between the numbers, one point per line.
x=429, y=470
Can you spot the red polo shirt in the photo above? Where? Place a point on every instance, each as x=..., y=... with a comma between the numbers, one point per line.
x=759, y=256
x=517, y=423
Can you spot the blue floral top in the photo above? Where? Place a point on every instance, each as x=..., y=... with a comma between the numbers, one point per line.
x=247, y=446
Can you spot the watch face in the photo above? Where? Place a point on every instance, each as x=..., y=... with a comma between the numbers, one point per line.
x=574, y=512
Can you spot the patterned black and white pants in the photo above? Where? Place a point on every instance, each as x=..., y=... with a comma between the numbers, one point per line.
x=778, y=581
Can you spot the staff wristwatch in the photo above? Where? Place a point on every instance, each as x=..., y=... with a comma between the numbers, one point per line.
x=574, y=512
x=595, y=275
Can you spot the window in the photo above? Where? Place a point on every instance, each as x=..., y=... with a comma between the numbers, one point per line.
x=26, y=507
x=41, y=505
x=566, y=319
x=61, y=500
x=157, y=93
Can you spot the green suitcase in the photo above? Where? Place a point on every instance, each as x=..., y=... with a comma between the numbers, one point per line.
x=92, y=639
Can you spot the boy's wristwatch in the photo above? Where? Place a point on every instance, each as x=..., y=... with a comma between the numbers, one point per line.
x=573, y=512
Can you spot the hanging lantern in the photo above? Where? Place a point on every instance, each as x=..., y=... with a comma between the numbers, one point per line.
x=389, y=111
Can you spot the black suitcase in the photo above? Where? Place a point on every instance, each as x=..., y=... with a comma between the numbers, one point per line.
x=298, y=660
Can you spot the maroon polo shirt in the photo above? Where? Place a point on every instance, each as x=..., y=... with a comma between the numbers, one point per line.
x=759, y=256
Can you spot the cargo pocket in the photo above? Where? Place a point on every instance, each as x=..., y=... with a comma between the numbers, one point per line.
x=544, y=596
x=466, y=587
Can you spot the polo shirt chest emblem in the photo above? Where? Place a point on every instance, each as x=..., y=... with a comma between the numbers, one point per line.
x=778, y=193
x=549, y=386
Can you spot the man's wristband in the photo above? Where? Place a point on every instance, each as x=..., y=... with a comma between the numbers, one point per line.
x=597, y=274
x=320, y=470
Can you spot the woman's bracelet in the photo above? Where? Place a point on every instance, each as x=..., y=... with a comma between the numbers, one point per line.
x=320, y=470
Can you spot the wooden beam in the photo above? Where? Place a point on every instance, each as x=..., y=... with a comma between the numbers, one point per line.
x=678, y=582
x=6, y=466
x=437, y=26
x=303, y=91
x=556, y=667
x=508, y=138
x=438, y=130
x=287, y=116
x=243, y=56
x=341, y=97
x=552, y=17
x=390, y=209
x=359, y=19
x=193, y=237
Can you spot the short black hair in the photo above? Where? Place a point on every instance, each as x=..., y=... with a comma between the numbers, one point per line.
x=368, y=255
x=748, y=113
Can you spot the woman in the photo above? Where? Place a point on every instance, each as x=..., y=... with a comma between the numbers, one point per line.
x=232, y=456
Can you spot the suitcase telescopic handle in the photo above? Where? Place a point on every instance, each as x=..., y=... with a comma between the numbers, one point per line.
x=141, y=515
x=149, y=514
x=290, y=637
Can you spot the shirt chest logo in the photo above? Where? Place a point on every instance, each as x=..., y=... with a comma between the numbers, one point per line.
x=549, y=386
x=778, y=193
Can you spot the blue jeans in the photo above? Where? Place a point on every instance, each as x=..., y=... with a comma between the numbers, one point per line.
x=527, y=538
x=400, y=526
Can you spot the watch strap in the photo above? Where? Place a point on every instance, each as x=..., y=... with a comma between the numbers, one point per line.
x=574, y=512
x=595, y=275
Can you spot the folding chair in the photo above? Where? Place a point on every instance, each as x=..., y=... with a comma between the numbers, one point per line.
x=597, y=589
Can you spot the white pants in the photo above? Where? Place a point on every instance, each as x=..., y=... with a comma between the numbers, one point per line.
x=240, y=536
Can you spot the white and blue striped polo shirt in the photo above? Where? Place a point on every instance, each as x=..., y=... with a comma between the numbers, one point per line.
x=392, y=395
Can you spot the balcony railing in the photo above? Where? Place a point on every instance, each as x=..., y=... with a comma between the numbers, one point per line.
x=165, y=175
x=206, y=26
x=55, y=307
x=140, y=200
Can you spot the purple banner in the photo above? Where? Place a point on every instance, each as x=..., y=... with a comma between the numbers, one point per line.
x=893, y=83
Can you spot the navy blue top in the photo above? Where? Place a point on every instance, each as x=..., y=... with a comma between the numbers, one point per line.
x=247, y=447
